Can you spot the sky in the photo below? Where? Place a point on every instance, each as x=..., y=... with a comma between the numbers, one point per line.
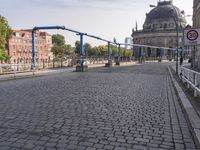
x=103, y=18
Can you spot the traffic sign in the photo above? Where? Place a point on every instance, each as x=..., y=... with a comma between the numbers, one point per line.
x=191, y=37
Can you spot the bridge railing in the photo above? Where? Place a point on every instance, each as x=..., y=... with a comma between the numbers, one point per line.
x=192, y=78
x=14, y=68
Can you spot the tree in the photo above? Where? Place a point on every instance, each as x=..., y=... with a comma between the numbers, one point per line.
x=69, y=50
x=59, y=46
x=5, y=34
x=77, y=47
x=87, y=48
x=58, y=50
x=58, y=39
x=114, y=50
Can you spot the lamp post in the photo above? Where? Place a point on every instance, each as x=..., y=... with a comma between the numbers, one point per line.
x=177, y=38
x=177, y=42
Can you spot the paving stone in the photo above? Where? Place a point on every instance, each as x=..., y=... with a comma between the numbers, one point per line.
x=131, y=107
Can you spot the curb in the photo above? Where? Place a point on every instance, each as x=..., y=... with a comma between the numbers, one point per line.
x=40, y=73
x=191, y=114
x=30, y=74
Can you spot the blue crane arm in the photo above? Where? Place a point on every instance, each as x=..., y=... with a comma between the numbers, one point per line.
x=48, y=28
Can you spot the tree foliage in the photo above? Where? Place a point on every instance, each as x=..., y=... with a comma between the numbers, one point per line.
x=60, y=48
x=87, y=48
x=5, y=34
x=102, y=50
x=58, y=39
x=77, y=47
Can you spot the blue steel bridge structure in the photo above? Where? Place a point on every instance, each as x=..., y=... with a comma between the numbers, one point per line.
x=82, y=34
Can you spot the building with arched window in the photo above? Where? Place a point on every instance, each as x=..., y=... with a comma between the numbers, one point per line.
x=160, y=29
x=20, y=47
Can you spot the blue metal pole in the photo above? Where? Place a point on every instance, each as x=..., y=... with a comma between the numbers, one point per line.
x=142, y=50
x=161, y=53
x=119, y=54
x=109, y=53
x=49, y=27
x=81, y=51
x=33, y=49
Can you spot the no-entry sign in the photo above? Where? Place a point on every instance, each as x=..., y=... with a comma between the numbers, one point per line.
x=191, y=37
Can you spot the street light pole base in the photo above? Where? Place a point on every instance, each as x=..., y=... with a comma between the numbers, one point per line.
x=117, y=63
x=108, y=65
x=80, y=68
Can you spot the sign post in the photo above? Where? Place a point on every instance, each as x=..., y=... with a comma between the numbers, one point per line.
x=192, y=38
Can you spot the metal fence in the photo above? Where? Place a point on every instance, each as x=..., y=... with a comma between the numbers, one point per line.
x=192, y=78
x=13, y=69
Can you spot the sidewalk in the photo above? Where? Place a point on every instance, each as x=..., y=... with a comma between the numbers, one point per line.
x=190, y=105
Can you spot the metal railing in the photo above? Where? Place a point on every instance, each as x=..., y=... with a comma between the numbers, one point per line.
x=192, y=78
x=15, y=70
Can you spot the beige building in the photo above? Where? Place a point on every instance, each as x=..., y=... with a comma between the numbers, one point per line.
x=49, y=44
x=159, y=29
x=196, y=24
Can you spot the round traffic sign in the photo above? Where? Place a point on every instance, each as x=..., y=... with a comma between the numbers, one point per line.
x=192, y=35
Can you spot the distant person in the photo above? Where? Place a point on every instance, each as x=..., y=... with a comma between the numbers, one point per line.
x=181, y=60
x=189, y=61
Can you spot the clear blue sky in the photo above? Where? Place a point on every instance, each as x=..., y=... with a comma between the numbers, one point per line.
x=104, y=18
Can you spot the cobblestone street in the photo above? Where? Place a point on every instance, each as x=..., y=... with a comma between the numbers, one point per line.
x=118, y=108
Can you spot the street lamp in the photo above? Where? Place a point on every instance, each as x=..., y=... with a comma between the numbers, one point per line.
x=177, y=38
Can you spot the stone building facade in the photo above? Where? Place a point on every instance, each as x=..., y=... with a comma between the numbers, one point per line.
x=196, y=24
x=160, y=30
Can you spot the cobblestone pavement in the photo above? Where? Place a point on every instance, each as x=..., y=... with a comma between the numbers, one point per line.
x=117, y=108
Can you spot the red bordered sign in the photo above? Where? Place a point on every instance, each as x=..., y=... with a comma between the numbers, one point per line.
x=191, y=37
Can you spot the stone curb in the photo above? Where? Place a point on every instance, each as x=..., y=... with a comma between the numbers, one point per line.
x=30, y=74
x=191, y=114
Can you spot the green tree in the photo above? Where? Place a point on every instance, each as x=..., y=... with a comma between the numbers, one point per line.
x=87, y=49
x=5, y=34
x=129, y=53
x=114, y=50
x=58, y=39
x=69, y=50
x=59, y=47
x=77, y=47
x=93, y=52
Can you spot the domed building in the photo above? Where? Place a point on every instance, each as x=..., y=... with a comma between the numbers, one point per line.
x=160, y=30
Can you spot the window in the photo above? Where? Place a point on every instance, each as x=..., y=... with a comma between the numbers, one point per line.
x=171, y=25
x=17, y=34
